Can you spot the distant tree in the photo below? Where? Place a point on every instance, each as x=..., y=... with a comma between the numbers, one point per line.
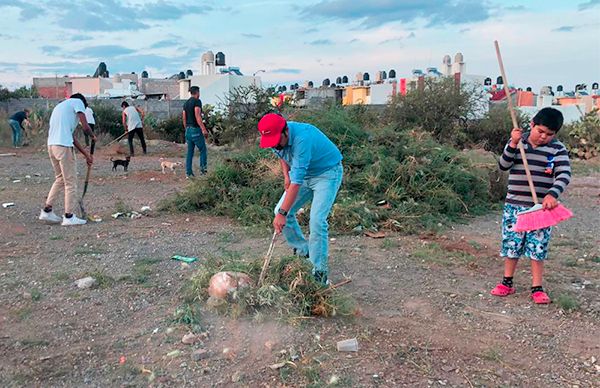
x=22, y=92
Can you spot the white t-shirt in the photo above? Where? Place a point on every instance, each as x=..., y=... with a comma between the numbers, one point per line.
x=89, y=115
x=63, y=122
x=133, y=118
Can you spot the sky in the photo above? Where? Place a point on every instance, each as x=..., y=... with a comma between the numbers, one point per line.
x=544, y=42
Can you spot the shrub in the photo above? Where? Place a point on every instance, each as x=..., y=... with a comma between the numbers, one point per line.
x=108, y=119
x=440, y=108
x=245, y=106
x=171, y=129
x=583, y=137
x=493, y=130
x=404, y=180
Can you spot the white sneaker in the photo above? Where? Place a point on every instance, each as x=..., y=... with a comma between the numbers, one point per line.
x=74, y=220
x=49, y=217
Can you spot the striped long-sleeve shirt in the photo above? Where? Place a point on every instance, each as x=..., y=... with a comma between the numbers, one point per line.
x=550, y=170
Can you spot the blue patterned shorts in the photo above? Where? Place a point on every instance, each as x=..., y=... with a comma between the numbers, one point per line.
x=533, y=245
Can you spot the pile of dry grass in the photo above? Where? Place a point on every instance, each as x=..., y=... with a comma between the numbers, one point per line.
x=288, y=291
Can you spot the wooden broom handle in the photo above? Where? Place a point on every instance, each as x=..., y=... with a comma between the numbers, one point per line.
x=513, y=116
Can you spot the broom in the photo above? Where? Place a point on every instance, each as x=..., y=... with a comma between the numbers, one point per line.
x=537, y=217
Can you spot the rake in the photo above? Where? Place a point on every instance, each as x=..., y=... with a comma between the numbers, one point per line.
x=87, y=180
x=267, y=261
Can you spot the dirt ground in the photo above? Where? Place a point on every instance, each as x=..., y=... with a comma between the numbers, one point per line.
x=426, y=315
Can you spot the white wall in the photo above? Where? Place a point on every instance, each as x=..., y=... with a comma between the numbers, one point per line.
x=571, y=113
x=381, y=93
x=215, y=87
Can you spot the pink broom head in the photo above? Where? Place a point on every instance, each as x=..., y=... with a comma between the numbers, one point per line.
x=538, y=218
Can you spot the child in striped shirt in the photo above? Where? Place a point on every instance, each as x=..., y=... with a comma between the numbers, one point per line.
x=551, y=173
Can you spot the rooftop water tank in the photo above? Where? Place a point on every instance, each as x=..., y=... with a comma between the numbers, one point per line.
x=338, y=80
x=345, y=79
x=311, y=84
x=144, y=74
x=189, y=73
x=366, y=77
x=326, y=82
x=499, y=80
x=487, y=81
x=220, y=59
x=392, y=74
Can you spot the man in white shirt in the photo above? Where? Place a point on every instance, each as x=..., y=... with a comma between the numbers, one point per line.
x=89, y=116
x=133, y=118
x=61, y=140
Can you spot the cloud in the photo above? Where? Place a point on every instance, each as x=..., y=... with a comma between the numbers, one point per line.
x=80, y=38
x=28, y=10
x=251, y=36
x=354, y=40
x=391, y=40
x=103, y=51
x=588, y=4
x=311, y=30
x=411, y=35
x=375, y=13
x=564, y=29
x=285, y=71
x=111, y=15
x=63, y=67
x=321, y=42
x=51, y=50
x=166, y=43
x=140, y=62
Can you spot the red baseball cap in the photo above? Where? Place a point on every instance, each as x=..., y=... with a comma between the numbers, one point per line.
x=270, y=127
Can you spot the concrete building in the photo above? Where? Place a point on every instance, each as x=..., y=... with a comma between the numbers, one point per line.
x=51, y=87
x=159, y=88
x=317, y=96
x=215, y=86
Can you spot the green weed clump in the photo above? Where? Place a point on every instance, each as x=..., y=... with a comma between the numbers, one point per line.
x=289, y=289
x=397, y=179
x=583, y=137
x=245, y=186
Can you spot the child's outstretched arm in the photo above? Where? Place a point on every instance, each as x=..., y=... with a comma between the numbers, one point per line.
x=510, y=150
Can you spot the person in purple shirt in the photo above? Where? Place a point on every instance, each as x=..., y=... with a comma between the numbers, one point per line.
x=312, y=170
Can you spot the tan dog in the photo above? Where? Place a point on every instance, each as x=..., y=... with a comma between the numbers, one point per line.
x=164, y=164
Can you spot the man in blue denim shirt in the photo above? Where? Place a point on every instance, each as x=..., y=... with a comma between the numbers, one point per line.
x=312, y=169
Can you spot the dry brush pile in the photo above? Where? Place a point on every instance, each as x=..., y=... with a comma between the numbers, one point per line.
x=394, y=178
x=289, y=290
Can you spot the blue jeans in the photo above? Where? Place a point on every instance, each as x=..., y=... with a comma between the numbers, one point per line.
x=16, y=128
x=193, y=139
x=322, y=190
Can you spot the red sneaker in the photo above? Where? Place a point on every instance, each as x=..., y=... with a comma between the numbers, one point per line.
x=502, y=290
